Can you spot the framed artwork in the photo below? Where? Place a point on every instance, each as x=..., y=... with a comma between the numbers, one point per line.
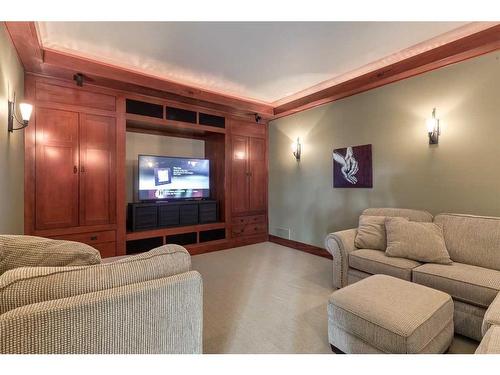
x=352, y=167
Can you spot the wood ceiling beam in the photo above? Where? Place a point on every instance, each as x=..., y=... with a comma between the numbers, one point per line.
x=487, y=40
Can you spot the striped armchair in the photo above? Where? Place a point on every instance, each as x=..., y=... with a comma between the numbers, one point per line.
x=147, y=303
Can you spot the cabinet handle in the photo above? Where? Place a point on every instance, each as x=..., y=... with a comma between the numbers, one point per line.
x=93, y=238
x=75, y=169
x=82, y=169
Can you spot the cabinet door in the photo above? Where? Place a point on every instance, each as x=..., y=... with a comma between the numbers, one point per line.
x=97, y=169
x=239, y=174
x=56, y=171
x=258, y=174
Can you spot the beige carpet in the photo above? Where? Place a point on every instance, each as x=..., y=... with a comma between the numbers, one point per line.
x=267, y=298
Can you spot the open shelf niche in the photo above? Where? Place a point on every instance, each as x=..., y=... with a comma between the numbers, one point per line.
x=158, y=118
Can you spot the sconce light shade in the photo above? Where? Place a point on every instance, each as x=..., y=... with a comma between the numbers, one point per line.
x=297, y=149
x=433, y=129
x=25, y=110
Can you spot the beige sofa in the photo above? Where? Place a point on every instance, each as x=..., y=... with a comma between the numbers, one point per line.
x=148, y=303
x=473, y=280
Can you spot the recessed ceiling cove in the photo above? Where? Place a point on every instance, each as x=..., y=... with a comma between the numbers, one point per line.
x=262, y=61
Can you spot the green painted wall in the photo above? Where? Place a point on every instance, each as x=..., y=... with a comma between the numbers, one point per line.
x=11, y=144
x=461, y=174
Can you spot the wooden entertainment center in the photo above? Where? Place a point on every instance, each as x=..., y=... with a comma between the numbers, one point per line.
x=75, y=149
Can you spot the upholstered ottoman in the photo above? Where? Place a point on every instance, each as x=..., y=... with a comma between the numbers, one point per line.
x=383, y=314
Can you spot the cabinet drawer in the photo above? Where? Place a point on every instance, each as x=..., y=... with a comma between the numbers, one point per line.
x=90, y=238
x=255, y=219
x=248, y=229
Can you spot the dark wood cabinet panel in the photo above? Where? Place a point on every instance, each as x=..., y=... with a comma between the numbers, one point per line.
x=97, y=169
x=73, y=96
x=56, y=178
x=248, y=174
x=257, y=167
x=239, y=174
x=248, y=181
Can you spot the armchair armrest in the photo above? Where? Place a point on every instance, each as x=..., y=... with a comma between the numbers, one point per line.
x=340, y=244
x=158, y=316
x=492, y=315
x=30, y=251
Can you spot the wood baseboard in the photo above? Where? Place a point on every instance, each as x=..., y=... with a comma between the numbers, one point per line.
x=301, y=246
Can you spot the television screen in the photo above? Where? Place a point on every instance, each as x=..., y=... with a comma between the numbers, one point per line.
x=162, y=177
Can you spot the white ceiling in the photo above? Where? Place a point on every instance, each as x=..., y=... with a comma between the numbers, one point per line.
x=261, y=61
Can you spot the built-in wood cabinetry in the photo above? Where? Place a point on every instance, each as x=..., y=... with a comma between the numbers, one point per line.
x=57, y=173
x=70, y=164
x=248, y=179
x=75, y=172
x=75, y=167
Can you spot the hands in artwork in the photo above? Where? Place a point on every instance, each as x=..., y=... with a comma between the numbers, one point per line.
x=349, y=165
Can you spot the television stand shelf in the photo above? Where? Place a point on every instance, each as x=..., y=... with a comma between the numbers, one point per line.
x=196, y=238
x=174, y=230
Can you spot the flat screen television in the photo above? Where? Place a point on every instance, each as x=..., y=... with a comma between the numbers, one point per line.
x=173, y=178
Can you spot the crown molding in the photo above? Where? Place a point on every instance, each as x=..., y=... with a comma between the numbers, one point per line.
x=37, y=59
x=464, y=43
x=468, y=41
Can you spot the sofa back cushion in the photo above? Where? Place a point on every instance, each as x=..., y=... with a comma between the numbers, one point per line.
x=30, y=251
x=412, y=215
x=473, y=240
x=28, y=285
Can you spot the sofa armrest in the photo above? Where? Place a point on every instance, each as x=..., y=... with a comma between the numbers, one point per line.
x=492, y=315
x=340, y=244
x=158, y=316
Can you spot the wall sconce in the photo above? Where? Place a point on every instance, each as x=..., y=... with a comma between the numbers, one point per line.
x=297, y=149
x=25, y=110
x=433, y=129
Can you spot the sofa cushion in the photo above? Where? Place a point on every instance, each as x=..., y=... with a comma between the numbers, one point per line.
x=471, y=284
x=472, y=239
x=412, y=215
x=376, y=262
x=371, y=233
x=422, y=242
x=28, y=285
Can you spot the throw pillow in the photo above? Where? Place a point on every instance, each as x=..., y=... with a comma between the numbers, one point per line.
x=423, y=242
x=371, y=233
